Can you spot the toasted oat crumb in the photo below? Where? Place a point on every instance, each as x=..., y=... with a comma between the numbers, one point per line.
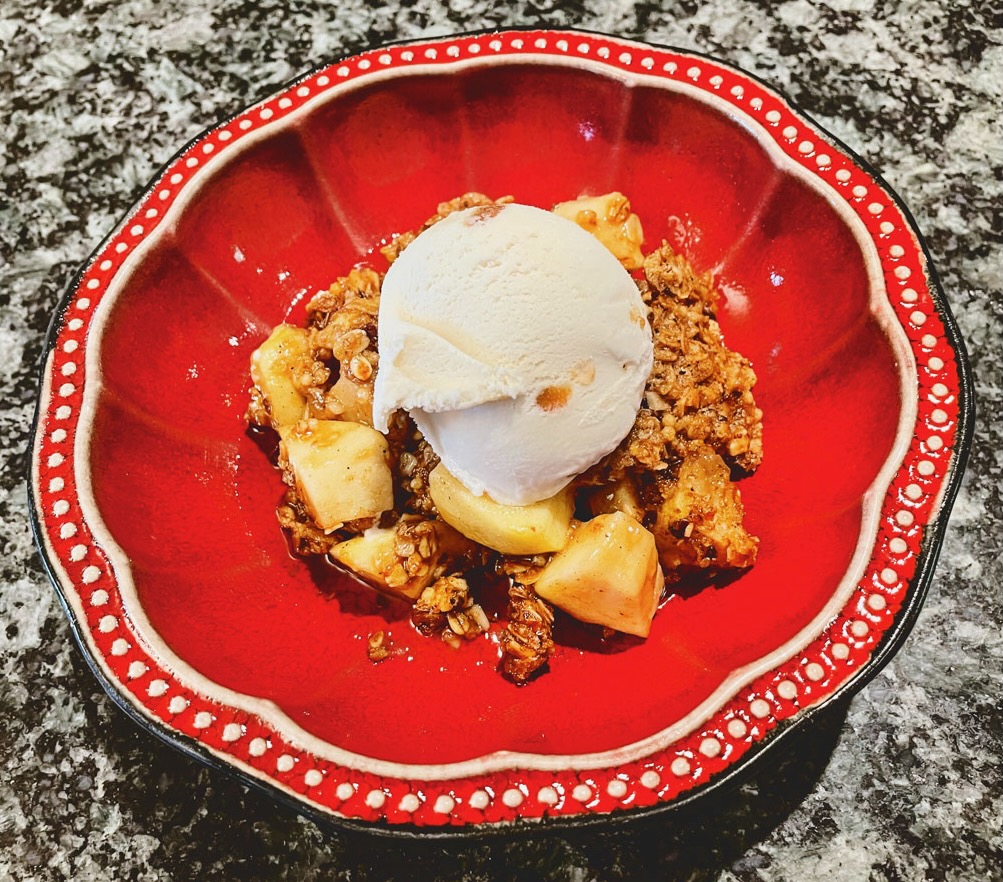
x=446, y=595
x=703, y=389
x=467, y=200
x=378, y=646
x=528, y=641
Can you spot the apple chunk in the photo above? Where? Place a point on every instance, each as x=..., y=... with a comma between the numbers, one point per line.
x=511, y=529
x=611, y=221
x=341, y=470
x=608, y=574
x=272, y=366
x=404, y=559
x=620, y=496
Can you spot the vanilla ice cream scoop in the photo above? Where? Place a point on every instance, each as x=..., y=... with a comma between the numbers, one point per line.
x=518, y=344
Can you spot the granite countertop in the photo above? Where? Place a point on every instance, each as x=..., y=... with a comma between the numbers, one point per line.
x=904, y=784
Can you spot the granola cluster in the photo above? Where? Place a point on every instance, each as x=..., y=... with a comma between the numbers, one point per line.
x=697, y=431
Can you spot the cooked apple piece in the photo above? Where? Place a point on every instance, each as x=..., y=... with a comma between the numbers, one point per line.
x=611, y=221
x=404, y=559
x=273, y=364
x=699, y=522
x=340, y=469
x=351, y=401
x=511, y=529
x=608, y=574
x=619, y=496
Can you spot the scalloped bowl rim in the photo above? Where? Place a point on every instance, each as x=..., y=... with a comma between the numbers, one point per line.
x=880, y=307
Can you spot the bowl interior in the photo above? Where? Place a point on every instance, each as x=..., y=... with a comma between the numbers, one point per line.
x=189, y=494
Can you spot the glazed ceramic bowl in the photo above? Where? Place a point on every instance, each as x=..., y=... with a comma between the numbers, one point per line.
x=154, y=506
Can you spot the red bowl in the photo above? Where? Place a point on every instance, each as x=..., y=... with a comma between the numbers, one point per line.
x=154, y=508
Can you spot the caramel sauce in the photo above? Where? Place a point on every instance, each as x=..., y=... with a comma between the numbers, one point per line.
x=553, y=398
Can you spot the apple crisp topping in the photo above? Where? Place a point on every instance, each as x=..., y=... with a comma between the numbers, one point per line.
x=662, y=505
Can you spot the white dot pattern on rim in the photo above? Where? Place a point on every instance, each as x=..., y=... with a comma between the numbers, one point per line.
x=787, y=689
x=814, y=671
x=617, y=788
x=444, y=804
x=680, y=766
x=759, y=708
x=232, y=732
x=513, y=798
x=650, y=779
x=548, y=796
x=710, y=747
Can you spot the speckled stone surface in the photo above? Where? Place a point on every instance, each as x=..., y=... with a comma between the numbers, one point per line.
x=904, y=784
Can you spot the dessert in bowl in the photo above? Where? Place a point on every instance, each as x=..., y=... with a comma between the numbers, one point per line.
x=507, y=405
x=155, y=506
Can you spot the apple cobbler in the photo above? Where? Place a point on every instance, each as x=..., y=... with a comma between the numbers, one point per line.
x=661, y=506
